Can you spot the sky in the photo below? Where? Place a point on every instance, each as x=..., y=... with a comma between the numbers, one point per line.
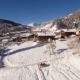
x=38, y=11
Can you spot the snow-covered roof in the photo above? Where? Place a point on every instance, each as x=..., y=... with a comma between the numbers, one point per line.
x=23, y=35
x=17, y=32
x=4, y=40
x=23, y=31
x=13, y=37
x=70, y=30
x=12, y=32
x=46, y=34
x=28, y=34
x=37, y=29
x=10, y=39
x=6, y=34
x=6, y=37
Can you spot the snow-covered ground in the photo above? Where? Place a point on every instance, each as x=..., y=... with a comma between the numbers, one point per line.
x=21, y=62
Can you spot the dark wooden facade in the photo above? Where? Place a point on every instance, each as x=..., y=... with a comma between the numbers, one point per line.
x=31, y=37
x=44, y=38
x=67, y=34
x=18, y=39
x=24, y=38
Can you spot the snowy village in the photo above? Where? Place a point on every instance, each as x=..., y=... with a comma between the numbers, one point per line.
x=42, y=54
x=39, y=39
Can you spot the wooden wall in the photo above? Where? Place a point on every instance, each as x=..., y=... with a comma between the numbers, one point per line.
x=17, y=40
x=31, y=37
x=67, y=34
x=44, y=38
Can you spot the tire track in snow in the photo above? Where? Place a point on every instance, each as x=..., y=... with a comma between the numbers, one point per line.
x=60, y=71
x=61, y=66
x=40, y=74
x=65, y=70
x=74, y=69
x=56, y=71
x=69, y=72
x=73, y=73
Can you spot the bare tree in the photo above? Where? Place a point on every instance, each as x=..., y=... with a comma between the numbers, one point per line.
x=51, y=46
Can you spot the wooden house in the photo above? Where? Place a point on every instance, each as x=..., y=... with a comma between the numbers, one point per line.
x=4, y=41
x=6, y=37
x=5, y=34
x=67, y=33
x=24, y=35
x=12, y=34
x=18, y=39
x=23, y=32
x=43, y=37
x=32, y=37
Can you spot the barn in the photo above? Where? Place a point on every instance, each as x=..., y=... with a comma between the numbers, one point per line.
x=43, y=37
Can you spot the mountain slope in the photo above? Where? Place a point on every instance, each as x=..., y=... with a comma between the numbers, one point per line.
x=68, y=21
x=8, y=26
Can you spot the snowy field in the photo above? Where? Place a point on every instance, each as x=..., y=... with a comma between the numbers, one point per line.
x=21, y=62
